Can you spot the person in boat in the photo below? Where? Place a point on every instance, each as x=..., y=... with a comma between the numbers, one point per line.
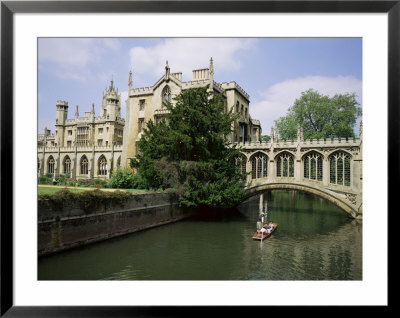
x=260, y=221
x=263, y=230
x=270, y=227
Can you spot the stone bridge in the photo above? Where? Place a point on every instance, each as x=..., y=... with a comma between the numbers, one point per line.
x=328, y=168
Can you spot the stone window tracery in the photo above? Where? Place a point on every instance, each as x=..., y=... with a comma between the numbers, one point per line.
x=285, y=165
x=50, y=165
x=259, y=166
x=313, y=166
x=67, y=165
x=102, y=166
x=339, y=165
x=241, y=163
x=166, y=95
x=84, y=165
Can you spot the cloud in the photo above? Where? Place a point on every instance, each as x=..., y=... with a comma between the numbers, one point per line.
x=275, y=100
x=186, y=54
x=71, y=58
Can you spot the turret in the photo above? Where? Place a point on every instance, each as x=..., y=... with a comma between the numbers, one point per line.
x=111, y=105
x=61, y=112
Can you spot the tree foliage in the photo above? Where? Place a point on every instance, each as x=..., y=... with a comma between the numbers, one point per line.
x=188, y=152
x=320, y=116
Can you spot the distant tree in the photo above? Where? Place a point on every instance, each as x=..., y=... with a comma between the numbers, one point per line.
x=188, y=152
x=320, y=116
x=265, y=138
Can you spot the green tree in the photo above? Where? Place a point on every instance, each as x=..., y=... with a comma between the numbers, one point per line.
x=320, y=116
x=188, y=151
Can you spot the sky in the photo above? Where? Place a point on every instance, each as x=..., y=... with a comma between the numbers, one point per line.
x=273, y=71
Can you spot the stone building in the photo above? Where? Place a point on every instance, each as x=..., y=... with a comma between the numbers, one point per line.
x=84, y=147
x=90, y=146
x=147, y=103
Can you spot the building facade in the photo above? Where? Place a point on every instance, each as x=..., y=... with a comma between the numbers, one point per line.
x=147, y=103
x=90, y=146
x=84, y=147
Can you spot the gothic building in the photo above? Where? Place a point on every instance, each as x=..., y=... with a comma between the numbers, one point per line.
x=84, y=147
x=147, y=103
x=90, y=146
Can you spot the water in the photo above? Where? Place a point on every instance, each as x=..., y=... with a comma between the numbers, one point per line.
x=314, y=241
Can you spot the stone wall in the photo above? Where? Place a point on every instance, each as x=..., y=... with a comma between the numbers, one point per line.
x=71, y=226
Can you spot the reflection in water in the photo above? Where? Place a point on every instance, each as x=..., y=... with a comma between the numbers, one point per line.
x=314, y=241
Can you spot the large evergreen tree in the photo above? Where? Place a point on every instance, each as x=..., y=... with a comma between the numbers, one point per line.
x=320, y=116
x=188, y=151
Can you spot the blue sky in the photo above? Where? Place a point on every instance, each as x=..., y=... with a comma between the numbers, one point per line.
x=273, y=71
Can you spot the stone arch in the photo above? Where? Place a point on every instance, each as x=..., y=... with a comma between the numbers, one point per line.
x=102, y=166
x=348, y=208
x=259, y=165
x=284, y=161
x=51, y=164
x=84, y=165
x=166, y=95
x=312, y=165
x=340, y=167
x=66, y=165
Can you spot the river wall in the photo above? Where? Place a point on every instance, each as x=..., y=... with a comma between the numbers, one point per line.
x=71, y=225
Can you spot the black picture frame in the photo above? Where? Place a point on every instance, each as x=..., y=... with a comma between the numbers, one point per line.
x=8, y=8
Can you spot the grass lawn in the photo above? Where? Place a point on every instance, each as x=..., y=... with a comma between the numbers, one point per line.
x=44, y=189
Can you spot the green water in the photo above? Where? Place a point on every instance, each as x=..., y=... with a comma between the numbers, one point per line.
x=314, y=241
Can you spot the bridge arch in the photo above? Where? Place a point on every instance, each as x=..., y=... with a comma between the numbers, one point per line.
x=348, y=208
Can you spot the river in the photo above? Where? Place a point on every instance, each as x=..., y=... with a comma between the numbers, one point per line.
x=315, y=240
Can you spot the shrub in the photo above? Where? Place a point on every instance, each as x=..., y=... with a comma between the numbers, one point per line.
x=124, y=178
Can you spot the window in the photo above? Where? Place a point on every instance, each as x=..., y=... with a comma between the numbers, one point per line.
x=313, y=166
x=82, y=137
x=237, y=107
x=119, y=162
x=69, y=143
x=141, y=125
x=67, y=165
x=339, y=166
x=142, y=104
x=259, y=166
x=100, y=131
x=102, y=166
x=241, y=164
x=50, y=165
x=166, y=95
x=84, y=165
x=69, y=132
x=99, y=142
x=285, y=165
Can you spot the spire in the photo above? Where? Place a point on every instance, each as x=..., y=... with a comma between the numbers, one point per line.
x=360, y=131
x=211, y=74
x=272, y=135
x=167, y=71
x=77, y=112
x=299, y=133
x=130, y=79
x=92, y=108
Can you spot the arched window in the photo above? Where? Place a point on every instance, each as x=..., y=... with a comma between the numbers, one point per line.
x=313, y=166
x=119, y=162
x=50, y=165
x=241, y=164
x=67, y=165
x=166, y=95
x=84, y=165
x=339, y=164
x=285, y=165
x=102, y=166
x=259, y=166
